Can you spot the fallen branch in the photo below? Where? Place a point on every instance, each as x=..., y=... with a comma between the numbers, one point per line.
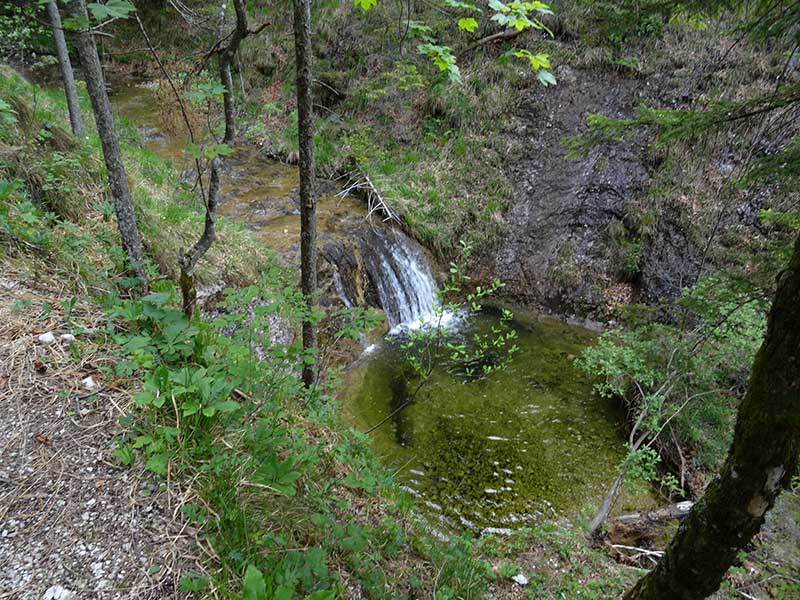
x=375, y=201
x=659, y=515
x=508, y=34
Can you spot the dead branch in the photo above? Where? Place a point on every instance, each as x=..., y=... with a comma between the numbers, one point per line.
x=361, y=182
x=508, y=34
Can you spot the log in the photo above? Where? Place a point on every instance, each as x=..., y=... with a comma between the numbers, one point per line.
x=644, y=529
x=666, y=513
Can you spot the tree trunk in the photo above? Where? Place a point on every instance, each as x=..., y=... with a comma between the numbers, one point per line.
x=226, y=56
x=761, y=461
x=191, y=257
x=117, y=177
x=602, y=513
x=227, y=97
x=308, y=201
x=73, y=104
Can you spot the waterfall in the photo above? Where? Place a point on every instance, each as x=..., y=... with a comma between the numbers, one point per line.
x=405, y=284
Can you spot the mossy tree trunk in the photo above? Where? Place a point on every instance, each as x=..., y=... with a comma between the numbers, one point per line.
x=67, y=77
x=761, y=461
x=308, y=201
x=101, y=106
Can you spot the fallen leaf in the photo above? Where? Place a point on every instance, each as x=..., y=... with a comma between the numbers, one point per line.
x=42, y=439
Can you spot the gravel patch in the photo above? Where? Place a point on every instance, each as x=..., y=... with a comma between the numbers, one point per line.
x=74, y=524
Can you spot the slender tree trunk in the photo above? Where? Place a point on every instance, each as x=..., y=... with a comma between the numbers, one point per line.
x=227, y=97
x=225, y=58
x=308, y=200
x=761, y=461
x=117, y=177
x=605, y=508
x=192, y=256
x=71, y=92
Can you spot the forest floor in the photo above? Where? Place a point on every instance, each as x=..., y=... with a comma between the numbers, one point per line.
x=75, y=524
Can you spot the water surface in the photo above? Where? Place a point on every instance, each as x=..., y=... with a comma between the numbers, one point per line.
x=525, y=443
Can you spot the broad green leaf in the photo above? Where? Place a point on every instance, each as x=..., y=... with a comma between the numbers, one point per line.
x=158, y=463
x=285, y=592
x=468, y=24
x=254, y=587
x=546, y=77
x=227, y=406
x=321, y=595
x=75, y=23
x=365, y=5
x=112, y=9
x=460, y=4
x=158, y=299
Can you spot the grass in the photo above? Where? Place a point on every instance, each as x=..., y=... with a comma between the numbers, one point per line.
x=64, y=177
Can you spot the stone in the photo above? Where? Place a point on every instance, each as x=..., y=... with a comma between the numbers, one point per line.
x=89, y=383
x=67, y=337
x=520, y=579
x=47, y=338
x=56, y=592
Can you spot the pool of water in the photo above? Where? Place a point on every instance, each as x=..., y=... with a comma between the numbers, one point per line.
x=527, y=443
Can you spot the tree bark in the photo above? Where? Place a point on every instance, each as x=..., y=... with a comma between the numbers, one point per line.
x=191, y=257
x=308, y=201
x=229, y=109
x=117, y=177
x=67, y=77
x=226, y=56
x=760, y=463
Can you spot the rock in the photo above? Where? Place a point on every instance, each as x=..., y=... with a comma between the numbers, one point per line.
x=520, y=579
x=555, y=250
x=47, y=338
x=67, y=337
x=89, y=383
x=57, y=592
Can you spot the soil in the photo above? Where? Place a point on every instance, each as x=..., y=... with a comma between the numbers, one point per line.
x=73, y=522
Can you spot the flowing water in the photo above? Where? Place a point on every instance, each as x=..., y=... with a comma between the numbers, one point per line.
x=406, y=286
x=525, y=443
x=262, y=193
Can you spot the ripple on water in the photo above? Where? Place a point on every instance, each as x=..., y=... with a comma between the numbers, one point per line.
x=499, y=452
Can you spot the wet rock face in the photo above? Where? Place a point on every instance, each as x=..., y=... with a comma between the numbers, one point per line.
x=344, y=267
x=671, y=261
x=556, y=252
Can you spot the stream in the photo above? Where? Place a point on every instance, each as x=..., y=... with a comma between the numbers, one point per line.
x=524, y=444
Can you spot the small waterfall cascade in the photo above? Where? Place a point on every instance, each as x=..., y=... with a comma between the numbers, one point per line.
x=398, y=268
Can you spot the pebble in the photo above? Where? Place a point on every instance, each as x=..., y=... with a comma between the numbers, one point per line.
x=47, y=338
x=67, y=337
x=520, y=579
x=57, y=592
x=89, y=383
